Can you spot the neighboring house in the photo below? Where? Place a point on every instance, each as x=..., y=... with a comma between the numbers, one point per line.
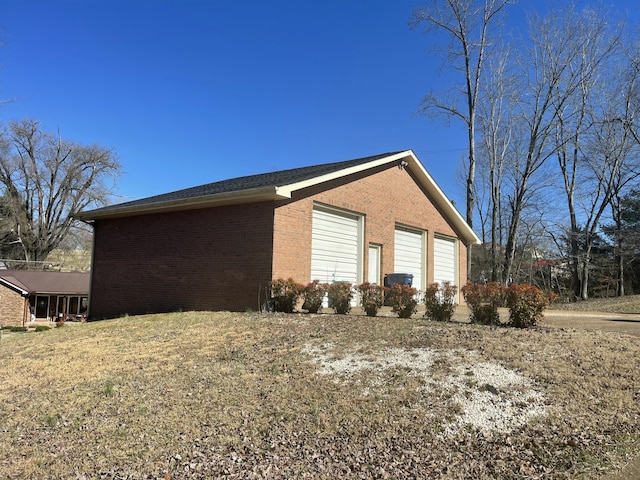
x=40, y=295
x=217, y=246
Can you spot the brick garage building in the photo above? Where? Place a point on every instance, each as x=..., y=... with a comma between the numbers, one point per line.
x=217, y=246
x=34, y=295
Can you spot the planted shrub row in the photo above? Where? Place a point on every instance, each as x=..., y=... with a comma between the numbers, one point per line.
x=526, y=303
x=286, y=294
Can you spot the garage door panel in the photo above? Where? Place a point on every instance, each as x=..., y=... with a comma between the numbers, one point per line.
x=409, y=255
x=444, y=260
x=335, y=246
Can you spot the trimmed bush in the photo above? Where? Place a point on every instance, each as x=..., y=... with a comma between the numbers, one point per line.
x=340, y=295
x=440, y=302
x=285, y=294
x=313, y=295
x=403, y=300
x=371, y=297
x=42, y=328
x=526, y=304
x=483, y=301
x=18, y=329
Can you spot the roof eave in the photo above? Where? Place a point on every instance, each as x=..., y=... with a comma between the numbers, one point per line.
x=468, y=235
x=205, y=201
x=450, y=211
x=288, y=189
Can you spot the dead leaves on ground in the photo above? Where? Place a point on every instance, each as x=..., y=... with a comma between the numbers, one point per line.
x=201, y=395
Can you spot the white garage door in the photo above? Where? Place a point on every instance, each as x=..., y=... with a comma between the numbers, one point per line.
x=444, y=260
x=408, y=255
x=335, y=246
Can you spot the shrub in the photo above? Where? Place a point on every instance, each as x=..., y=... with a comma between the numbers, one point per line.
x=526, y=304
x=42, y=328
x=17, y=329
x=371, y=297
x=440, y=302
x=313, y=295
x=340, y=295
x=285, y=294
x=483, y=300
x=403, y=300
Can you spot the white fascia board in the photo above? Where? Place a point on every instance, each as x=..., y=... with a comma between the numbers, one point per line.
x=441, y=199
x=287, y=190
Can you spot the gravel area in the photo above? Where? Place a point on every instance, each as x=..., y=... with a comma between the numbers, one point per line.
x=485, y=395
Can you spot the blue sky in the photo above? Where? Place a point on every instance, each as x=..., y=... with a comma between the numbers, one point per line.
x=195, y=91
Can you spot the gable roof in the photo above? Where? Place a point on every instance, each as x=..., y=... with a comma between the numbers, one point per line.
x=28, y=282
x=280, y=185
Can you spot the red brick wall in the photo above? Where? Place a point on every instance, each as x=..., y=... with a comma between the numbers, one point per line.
x=12, y=307
x=386, y=198
x=204, y=259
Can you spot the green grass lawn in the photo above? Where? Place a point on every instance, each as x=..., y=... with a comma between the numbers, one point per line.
x=208, y=395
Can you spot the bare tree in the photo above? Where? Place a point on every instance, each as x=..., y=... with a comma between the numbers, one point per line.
x=496, y=129
x=593, y=146
x=566, y=52
x=46, y=181
x=620, y=153
x=466, y=24
x=623, y=201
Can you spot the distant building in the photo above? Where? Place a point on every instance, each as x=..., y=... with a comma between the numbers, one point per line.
x=27, y=296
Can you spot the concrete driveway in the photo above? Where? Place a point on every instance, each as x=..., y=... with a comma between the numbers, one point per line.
x=609, y=322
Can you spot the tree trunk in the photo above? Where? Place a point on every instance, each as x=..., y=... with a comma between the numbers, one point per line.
x=510, y=247
x=584, y=284
x=576, y=268
x=620, y=261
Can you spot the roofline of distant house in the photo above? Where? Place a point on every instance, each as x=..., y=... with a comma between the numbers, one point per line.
x=285, y=192
x=25, y=293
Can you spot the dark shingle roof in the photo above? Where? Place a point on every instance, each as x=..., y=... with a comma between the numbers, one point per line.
x=47, y=282
x=263, y=180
